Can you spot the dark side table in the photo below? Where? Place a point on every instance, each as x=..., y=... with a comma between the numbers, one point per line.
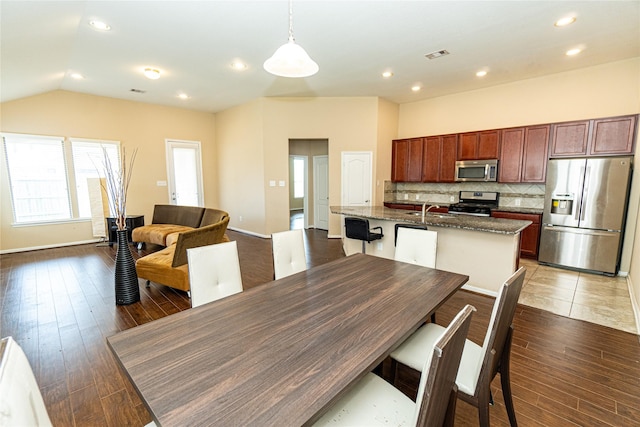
x=132, y=221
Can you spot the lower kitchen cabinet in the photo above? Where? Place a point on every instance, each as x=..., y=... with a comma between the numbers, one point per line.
x=530, y=236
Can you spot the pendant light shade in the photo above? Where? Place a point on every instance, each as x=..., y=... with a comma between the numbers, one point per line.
x=291, y=60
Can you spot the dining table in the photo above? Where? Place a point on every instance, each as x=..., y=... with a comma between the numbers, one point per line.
x=281, y=353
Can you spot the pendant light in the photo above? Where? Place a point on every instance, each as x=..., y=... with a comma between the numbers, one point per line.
x=291, y=60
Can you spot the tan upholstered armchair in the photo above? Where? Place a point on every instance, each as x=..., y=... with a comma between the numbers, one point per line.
x=169, y=265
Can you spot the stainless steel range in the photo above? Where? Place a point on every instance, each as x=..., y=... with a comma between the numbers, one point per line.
x=476, y=203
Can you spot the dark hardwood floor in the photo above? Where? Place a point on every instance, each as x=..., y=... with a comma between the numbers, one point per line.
x=59, y=305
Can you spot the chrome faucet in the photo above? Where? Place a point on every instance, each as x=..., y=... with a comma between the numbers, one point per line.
x=425, y=209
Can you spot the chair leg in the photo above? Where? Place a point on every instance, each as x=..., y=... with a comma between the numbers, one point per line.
x=450, y=415
x=433, y=317
x=148, y=283
x=505, y=379
x=483, y=409
x=364, y=251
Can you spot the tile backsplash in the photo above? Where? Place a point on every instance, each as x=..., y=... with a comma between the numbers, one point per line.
x=511, y=195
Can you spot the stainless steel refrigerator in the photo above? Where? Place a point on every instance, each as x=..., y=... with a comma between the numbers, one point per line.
x=584, y=212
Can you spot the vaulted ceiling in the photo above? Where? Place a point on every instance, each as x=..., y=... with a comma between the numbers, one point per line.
x=194, y=43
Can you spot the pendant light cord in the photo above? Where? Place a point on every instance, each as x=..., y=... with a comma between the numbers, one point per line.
x=291, y=39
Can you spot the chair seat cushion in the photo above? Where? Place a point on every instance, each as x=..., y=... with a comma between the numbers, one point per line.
x=156, y=267
x=371, y=402
x=418, y=347
x=157, y=233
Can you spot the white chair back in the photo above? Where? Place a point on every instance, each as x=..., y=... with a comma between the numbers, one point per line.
x=21, y=403
x=288, y=253
x=214, y=272
x=417, y=246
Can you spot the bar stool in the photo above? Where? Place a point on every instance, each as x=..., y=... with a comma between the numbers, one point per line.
x=358, y=228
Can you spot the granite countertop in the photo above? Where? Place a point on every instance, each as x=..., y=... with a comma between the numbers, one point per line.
x=465, y=222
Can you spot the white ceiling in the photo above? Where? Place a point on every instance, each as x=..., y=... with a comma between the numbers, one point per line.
x=194, y=42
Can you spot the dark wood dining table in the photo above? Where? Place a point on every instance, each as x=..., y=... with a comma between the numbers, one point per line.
x=282, y=353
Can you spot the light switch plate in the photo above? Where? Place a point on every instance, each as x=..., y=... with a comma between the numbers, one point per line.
x=161, y=183
x=281, y=183
x=272, y=183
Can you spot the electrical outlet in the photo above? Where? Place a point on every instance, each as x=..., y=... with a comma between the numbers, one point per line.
x=240, y=218
x=417, y=197
x=379, y=246
x=406, y=197
x=452, y=198
x=517, y=202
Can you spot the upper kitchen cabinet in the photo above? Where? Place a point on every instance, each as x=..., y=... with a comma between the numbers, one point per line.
x=523, y=154
x=439, y=158
x=613, y=136
x=479, y=145
x=406, y=160
x=570, y=139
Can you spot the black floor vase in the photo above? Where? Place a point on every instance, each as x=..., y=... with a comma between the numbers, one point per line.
x=127, y=289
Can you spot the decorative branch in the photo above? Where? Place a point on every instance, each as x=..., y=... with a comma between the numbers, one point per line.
x=118, y=185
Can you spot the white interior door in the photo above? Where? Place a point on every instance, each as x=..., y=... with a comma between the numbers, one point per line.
x=356, y=178
x=321, y=192
x=184, y=172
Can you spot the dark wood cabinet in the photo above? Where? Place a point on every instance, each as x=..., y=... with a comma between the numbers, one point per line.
x=613, y=136
x=406, y=158
x=535, y=153
x=479, y=145
x=523, y=154
x=530, y=236
x=406, y=207
x=510, y=164
x=439, y=158
x=570, y=139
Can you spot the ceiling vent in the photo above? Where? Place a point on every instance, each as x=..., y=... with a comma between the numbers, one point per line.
x=138, y=90
x=437, y=54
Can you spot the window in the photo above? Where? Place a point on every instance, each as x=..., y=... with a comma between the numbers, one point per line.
x=38, y=178
x=43, y=189
x=88, y=162
x=298, y=177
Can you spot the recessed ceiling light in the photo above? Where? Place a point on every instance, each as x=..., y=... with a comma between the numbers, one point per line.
x=565, y=21
x=238, y=65
x=99, y=25
x=76, y=76
x=481, y=73
x=416, y=88
x=572, y=52
x=183, y=96
x=152, y=73
x=387, y=74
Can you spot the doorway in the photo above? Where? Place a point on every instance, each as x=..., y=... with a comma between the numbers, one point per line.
x=308, y=177
x=184, y=173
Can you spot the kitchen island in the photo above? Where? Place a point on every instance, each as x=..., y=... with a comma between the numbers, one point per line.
x=484, y=248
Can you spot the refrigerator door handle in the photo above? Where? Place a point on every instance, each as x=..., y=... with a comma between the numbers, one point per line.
x=580, y=194
x=585, y=194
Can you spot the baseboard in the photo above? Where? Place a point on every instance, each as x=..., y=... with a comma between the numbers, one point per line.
x=55, y=245
x=334, y=236
x=480, y=291
x=635, y=304
x=251, y=233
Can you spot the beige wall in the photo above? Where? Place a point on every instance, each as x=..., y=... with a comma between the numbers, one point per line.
x=607, y=90
x=349, y=124
x=134, y=124
x=387, y=131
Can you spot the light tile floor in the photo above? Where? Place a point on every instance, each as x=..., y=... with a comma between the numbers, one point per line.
x=594, y=298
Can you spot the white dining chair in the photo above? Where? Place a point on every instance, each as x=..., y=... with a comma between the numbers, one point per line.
x=21, y=402
x=479, y=365
x=417, y=246
x=289, y=256
x=375, y=402
x=214, y=272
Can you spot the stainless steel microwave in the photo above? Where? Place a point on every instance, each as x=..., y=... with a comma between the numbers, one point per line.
x=477, y=170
